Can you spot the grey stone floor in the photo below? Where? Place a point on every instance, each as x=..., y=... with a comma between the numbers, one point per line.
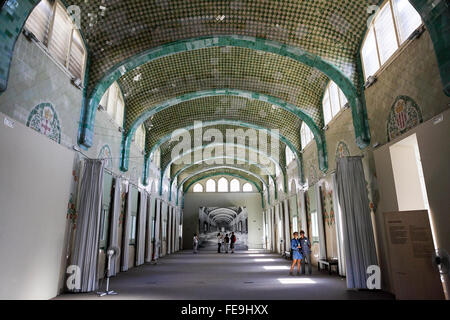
x=250, y=275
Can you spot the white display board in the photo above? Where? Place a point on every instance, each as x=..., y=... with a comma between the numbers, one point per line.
x=410, y=249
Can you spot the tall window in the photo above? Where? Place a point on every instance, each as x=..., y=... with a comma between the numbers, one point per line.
x=139, y=137
x=394, y=23
x=333, y=101
x=306, y=135
x=247, y=187
x=235, y=186
x=210, y=186
x=222, y=185
x=52, y=26
x=156, y=158
x=113, y=101
x=198, y=188
x=289, y=156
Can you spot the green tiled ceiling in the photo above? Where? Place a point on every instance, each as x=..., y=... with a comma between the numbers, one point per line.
x=117, y=30
x=166, y=148
x=224, y=172
x=218, y=68
x=222, y=107
x=201, y=167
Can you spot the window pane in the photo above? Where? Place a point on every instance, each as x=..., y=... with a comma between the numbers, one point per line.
x=39, y=19
x=61, y=34
x=112, y=100
x=407, y=18
x=343, y=98
x=247, y=187
x=222, y=186
x=326, y=108
x=77, y=54
x=369, y=55
x=384, y=28
x=235, y=186
x=198, y=188
x=119, y=111
x=210, y=186
x=334, y=99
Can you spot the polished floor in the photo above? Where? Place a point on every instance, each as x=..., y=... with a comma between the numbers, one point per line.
x=249, y=275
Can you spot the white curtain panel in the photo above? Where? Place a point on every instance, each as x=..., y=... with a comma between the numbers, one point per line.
x=286, y=225
x=126, y=232
x=149, y=235
x=322, y=239
x=338, y=224
x=359, y=243
x=303, y=213
x=85, y=254
x=169, y=227
x=157, y=227
x=114, y=233
x=140, y=245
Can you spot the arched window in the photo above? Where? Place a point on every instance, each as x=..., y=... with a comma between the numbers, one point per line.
x=114, y=104
x=52, y=26
x=210, y=186
x=289, y=156
x=333, y=101
x=222, y=185
x=235, y=186
x=139, y=137
x=306, y=135
x=155, y=158
x=198, y=188
x=392, y=25
x=247, y=187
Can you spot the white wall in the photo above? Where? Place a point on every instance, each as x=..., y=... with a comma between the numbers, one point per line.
x=35, y=177
x=252, y=201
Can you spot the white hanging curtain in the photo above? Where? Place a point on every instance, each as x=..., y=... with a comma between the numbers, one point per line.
x=303, y=213
x=338, y=224
x=149, y=232
x=157, y=228
x=85, y=254
x=126, y=232
x=114, y=233
x=142, y=219
x=320, y=225
x=359, y=243
x=287, y=225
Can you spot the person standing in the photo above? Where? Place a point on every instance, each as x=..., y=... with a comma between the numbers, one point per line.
x=219, y=242
x=195, y=243
x=296, y=254
x=233, y=241
x=226, y=242
x=306, y=252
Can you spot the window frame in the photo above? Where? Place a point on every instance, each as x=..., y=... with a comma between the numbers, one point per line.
x=48, y=36
x=400, y=45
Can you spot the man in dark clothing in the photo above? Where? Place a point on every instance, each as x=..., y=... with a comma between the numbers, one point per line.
x=306, y=252
x=227, y=243
x=233, y=241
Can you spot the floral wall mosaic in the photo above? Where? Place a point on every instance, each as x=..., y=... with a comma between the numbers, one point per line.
x=405, y=114
x=43, y=119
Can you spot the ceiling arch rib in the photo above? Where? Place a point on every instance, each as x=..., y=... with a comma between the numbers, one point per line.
x=223, y=124
x=257, y=181
x=318, y=133
x=263, y=45
x=249, y=166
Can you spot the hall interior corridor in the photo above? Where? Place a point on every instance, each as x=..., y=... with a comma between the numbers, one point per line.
x=208, y=275
x=134, y=132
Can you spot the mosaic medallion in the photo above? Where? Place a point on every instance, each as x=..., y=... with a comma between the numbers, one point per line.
x=404, y=115
x=43, y=119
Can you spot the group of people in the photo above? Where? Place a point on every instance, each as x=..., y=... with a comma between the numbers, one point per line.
x=301, y=253
x=226, y=242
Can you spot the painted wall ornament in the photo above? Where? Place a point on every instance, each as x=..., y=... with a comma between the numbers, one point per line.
x=342, y=150
x=404, y=115
x=105, y=154
x=43, y=119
